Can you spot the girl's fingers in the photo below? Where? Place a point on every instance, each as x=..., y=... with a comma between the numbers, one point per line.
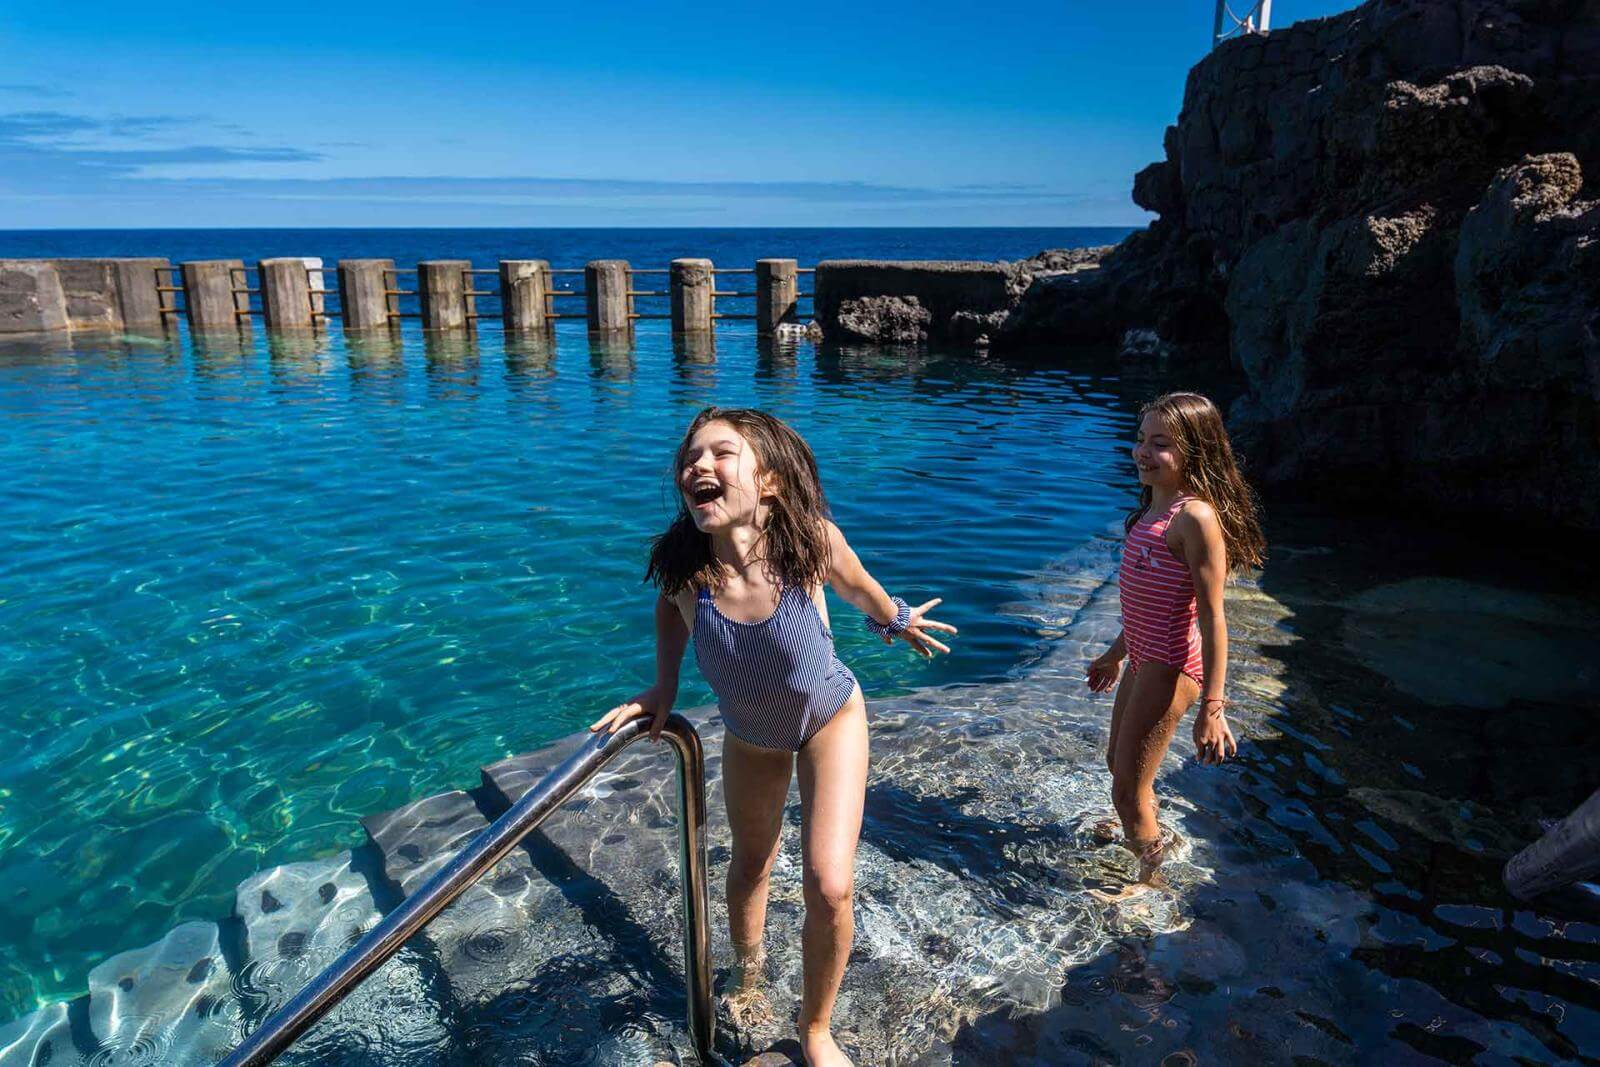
x=623, y=714
x=934, y=624
x=935, y=602
x=935, y=644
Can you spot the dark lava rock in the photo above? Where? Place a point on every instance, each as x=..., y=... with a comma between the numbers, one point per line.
x=1381, y=221
x=884, y=320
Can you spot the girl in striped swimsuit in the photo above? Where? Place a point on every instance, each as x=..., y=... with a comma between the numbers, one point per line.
x=1196, y=522
x=741, y=570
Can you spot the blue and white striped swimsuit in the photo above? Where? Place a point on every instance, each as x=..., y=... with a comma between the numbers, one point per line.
x=777, y=682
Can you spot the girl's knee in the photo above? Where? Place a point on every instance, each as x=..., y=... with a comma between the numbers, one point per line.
x=750, y=869
x=829, y=892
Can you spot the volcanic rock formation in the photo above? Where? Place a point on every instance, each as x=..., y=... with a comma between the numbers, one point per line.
x=1388, y=222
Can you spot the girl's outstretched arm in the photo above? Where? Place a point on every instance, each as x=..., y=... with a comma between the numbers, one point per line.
x=672, y=637
x=851, y=580
x=1200, y=538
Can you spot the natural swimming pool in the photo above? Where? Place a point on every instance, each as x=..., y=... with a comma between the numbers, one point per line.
x=253, y=594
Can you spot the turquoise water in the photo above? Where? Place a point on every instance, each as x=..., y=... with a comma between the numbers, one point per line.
x=254, y=592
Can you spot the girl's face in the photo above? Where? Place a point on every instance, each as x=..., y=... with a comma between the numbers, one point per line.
x=1155, y=453
x=719, y=481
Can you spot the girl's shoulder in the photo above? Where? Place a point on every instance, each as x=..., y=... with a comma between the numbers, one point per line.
x=1194, y=515
x=685, y=600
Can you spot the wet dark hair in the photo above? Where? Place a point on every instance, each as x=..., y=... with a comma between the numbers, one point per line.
x=1209, y=472
x=794, y=541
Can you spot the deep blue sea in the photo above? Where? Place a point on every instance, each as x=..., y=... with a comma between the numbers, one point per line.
x=253, y=591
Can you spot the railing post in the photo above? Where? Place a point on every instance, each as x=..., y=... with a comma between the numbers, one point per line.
x=690, y=293
x=364, y=293
x=285, y=293
x=442, y=291
x=523, y=285
x=606, y=283
x=208, y=293
x=776, y=289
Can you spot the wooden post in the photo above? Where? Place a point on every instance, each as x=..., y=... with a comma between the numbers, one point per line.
x=364, y=286
x=138, y=299
x=208, y=293
x=285, y=293
x=442, y=291
x=690, y=291
x=523, y=285
x=776, y=286
x=606, y=283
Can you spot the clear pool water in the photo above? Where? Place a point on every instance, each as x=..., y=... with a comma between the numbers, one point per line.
x=252, y=592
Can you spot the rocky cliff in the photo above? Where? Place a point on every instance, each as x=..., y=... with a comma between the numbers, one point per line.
x=1388, y=221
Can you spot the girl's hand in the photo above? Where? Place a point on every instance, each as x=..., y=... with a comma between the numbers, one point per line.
x=1213, y=740
x=653, y=702
x=1104, y=670
x=916, y=634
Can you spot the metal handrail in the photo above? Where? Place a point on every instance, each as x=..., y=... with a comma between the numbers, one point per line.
x=480, y=855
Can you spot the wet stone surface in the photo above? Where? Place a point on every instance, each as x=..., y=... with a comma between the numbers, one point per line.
x=166, y=1002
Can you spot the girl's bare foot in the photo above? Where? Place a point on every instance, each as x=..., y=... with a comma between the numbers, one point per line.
x=821, y=1050
x=748, y=1008
x=746, y=998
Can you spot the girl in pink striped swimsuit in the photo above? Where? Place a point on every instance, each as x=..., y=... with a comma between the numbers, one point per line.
x=1196, y=522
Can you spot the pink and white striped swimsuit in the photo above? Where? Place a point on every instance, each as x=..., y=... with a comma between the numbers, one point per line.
x=1158, y=606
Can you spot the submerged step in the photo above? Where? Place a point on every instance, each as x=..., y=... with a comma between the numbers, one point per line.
x=297, y=919
x=491, y=938
x=170, y=1002
x=614, y=848
x=534, y=973
x=40, y=1037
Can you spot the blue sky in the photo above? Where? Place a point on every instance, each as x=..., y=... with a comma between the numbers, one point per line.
x=819, y=113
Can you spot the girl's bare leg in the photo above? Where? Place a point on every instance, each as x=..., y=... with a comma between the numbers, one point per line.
x=1105, y=830
x=755, y=784
x=1158, y=696
x=833, y=789
x=1119, y=707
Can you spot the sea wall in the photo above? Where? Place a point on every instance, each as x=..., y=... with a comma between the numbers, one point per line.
x=1386, y=222
x=55, y=295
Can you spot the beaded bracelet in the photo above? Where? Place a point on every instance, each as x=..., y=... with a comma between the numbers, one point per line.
x=1221, y=702
x=897, y=625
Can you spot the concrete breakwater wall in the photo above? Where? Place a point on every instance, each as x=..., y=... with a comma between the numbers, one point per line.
x=933, y=297
x=302, y=293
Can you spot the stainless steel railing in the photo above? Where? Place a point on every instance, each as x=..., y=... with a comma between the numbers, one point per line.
x=479, y=857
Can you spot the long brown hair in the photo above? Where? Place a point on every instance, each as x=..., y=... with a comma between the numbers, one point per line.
x=1209, y=472
x=794, y=541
